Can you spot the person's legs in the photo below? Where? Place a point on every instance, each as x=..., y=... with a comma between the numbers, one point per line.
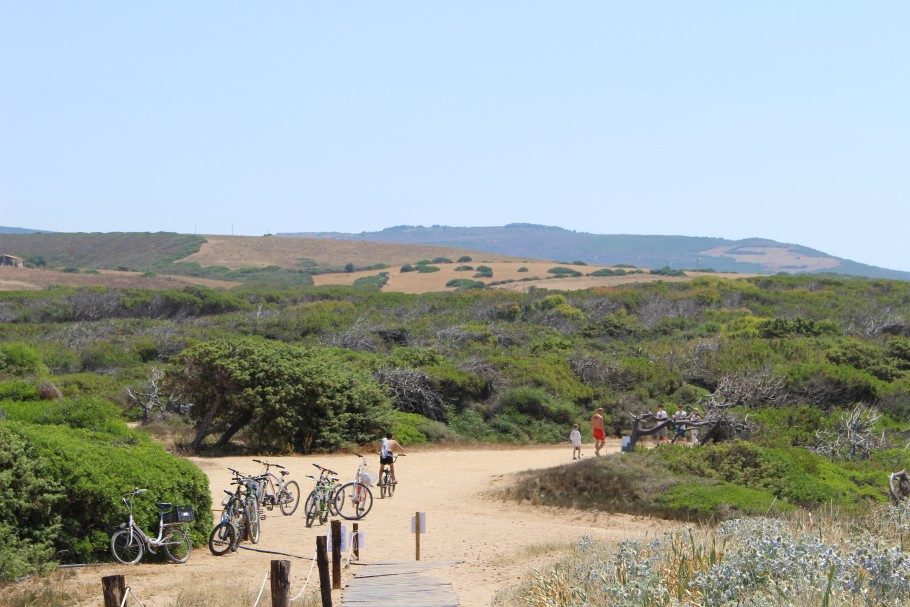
x=392, y=470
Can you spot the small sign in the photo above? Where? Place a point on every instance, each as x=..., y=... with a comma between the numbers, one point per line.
x=344, y=540
x=625, y=444
x=423, y=522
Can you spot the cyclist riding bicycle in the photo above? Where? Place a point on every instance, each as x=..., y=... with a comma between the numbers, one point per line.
x=387, y=449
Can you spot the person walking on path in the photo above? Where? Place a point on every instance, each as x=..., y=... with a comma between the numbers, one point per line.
x=575, y=438
x=598, y=432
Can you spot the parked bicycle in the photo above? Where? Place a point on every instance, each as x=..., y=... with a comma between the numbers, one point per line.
x=240, y=518
x=320, y=503
x=278, y=491
x=386, y=485
x=354, y=499
x=130, y=542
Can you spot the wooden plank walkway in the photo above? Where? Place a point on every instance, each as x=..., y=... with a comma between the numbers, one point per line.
x=398, y=583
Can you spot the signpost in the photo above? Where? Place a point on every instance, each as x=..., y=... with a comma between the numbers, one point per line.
x=418, y=526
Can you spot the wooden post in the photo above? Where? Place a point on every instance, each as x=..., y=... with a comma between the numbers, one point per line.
x=322, y=563
x=281, y=583
x=355, y=542
x=417, y=534
x=336, y=554
x=114, y=587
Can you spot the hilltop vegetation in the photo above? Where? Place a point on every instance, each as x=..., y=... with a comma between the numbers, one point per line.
x=749, y=256
x=792, y=353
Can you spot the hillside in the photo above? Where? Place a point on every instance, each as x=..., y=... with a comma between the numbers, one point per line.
x=752, y=255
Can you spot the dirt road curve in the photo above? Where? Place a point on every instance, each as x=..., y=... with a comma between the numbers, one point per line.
x=497, y=542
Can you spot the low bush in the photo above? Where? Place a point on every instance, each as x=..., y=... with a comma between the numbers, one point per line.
x=441, y=260
x=18, y=391
x=464, y=268
x=17, y=358
x=563, y=271
x=522, y=269
x=484, y=272
x=465, y=283
x=376, y=282
x=465, y=259
x=426, y=269
x=609, y=272
x=29, y=501
x=668, y=271
x=95, y=468
x=407, y=268
x=84, y=412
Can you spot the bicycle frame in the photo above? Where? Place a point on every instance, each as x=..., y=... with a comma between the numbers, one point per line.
x=134, y=528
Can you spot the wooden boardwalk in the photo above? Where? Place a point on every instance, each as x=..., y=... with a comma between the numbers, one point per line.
x=398, y=583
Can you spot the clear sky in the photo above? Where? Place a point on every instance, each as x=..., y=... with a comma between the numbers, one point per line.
x=784, y=119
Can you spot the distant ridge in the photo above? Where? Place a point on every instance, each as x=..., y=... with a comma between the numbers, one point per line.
x=9, y=230
x=752, y=255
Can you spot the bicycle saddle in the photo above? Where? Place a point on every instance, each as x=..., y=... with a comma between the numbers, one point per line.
x=164, y=506
x=284, y=473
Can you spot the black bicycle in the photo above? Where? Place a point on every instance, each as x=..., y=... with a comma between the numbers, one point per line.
x=386, y=485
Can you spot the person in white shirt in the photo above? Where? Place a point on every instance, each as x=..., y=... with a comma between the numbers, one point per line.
x=575, y=438
x=387, y=449
x=661, y=416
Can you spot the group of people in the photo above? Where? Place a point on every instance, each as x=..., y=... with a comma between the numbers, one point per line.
x=682, y=420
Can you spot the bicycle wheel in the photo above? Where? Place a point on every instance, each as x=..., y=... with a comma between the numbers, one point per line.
x=384, y=484
x=325, y=506
x=289, y=498
x=222, y=538
x=127, y=547
x=178, y=545
x=330, y=500
x=391, y=486
x=353, y=501
x=311, y=508
x=252, y=516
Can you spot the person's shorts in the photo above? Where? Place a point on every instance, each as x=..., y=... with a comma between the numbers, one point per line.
x=680, y=431
x=389, y=459
x=599, y=434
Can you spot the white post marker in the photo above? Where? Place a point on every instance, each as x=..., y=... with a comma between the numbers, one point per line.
x=418, y=526
x=344, y=540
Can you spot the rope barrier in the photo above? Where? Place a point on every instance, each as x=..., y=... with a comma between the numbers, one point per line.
x=351, y=548
x=129, y=593
x=261, y=589
x=264, y=551
x=307, y=580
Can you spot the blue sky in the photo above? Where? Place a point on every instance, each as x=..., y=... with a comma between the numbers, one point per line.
x=786, y=120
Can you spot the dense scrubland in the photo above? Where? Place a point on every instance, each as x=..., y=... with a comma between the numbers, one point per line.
x=307, y=368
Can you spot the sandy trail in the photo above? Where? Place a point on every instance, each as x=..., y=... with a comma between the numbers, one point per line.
x=497, y=542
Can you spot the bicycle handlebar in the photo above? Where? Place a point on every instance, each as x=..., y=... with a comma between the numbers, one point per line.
x=325, y=469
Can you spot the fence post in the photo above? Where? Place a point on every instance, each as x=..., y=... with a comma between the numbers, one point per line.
x=417, y=535
x=114, y=587
x=355, y=542
x=336, y=554
x=322, y=563
x=281, y=583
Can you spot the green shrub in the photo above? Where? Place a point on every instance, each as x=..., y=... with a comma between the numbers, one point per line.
x=18, y=390
x=406, y=428
x=563, y=271
x=441, y=260
x=84, y=412
x=95, y=468
x=609, y=272
x=484, y=272
x=464, y=268
x=70, y=270
x=29, y=509
x=785, y=327
x=19, y=358
x=376, y=282
x=465, y=283
x=668, y=271
x=282, y=397
x=537, y=404
x=522, y=269
x=426, y=269
x=465, y=259
x=105, y=355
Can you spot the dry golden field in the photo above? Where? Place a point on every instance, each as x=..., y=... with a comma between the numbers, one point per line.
x=30, y=279
x=416, y=282
x=290, y=252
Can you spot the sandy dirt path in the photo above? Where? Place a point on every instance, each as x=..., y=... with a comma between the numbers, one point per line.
x=497, y=542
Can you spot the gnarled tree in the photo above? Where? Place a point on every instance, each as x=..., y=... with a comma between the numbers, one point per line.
x=284, y=397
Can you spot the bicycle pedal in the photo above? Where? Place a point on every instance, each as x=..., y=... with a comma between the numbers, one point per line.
x=261, y=517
